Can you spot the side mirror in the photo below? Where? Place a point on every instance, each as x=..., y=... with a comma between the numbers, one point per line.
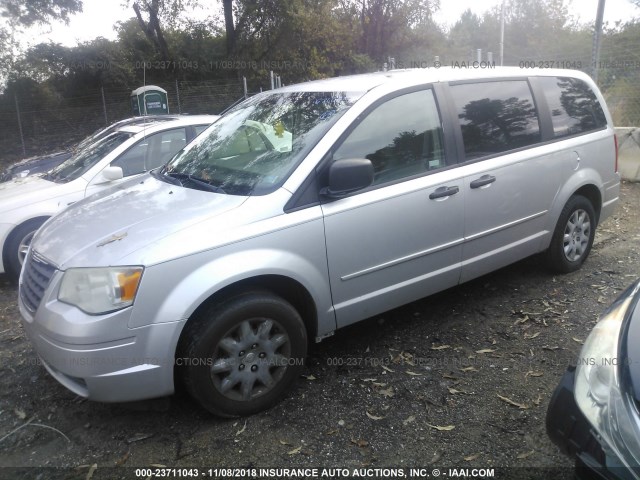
x=347, y=176
x=112, y=173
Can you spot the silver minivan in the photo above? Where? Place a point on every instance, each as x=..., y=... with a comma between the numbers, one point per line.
x=308, y=208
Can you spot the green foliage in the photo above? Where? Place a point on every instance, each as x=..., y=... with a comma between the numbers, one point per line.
x=30, y=12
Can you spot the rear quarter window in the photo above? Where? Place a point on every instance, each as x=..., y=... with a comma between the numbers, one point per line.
x=574, y=107
x=495, y=117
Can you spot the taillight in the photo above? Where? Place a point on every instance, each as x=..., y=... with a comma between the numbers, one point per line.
x=615, y=140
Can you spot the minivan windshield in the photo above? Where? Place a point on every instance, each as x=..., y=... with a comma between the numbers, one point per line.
x=82, y=161
x=254, y=147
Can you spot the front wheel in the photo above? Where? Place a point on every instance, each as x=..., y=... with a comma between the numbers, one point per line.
x=573, y=235
x=17, y=245
x=240, y=356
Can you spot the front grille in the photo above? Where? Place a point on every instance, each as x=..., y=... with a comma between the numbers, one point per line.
x=36, y=275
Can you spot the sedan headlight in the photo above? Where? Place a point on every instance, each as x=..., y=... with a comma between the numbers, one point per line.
x=599, y=394
x=100, y=290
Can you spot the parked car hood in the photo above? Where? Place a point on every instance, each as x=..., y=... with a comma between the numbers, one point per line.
x=20, y=192
x=104, y=228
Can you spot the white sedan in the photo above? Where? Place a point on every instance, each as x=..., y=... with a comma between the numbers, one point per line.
x=26, y=203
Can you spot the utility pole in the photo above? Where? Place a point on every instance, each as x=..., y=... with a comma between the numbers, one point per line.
x=597, y=34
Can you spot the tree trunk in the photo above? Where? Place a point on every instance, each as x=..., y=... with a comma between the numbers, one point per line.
x=229, y=26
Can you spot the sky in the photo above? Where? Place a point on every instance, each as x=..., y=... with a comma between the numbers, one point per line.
x=99, y=17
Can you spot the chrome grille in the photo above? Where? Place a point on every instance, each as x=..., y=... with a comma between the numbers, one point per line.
x=36, y=275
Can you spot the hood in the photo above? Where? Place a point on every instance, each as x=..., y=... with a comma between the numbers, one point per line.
x=104, y=228
x=21, y=192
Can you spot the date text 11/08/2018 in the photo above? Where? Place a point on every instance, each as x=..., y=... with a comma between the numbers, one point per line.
x=254, y=473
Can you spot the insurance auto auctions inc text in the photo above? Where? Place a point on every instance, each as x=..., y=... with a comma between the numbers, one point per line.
x=295, y=473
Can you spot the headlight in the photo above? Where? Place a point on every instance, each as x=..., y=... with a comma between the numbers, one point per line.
x=100, y=290
x=598, y=393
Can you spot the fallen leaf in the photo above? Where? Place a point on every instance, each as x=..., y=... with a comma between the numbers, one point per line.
x=309, y=377
x=91, y=471
x=373, y=417
x=369, y=379
x=448, y=428
x=441, y=347
x=471, y=457
x=486, y=350
x=387, y=393
x=20, y=413
x=386, y=369
x=360, y=443
x=449, y=376
x=378, y=384
x=413, y=374
x=469, y=369
x=123, y=459
x=529, y=337
x=295, y=450
x=522, y=456
x=409, y=420
x=531, y=373
x=453, y=391
x=511, y=402
x=242, y=429
x=284, y=442
x=577, y=340
x=332, y=432
x=138, y=437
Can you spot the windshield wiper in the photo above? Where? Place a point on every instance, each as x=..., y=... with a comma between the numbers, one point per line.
x=201, y=182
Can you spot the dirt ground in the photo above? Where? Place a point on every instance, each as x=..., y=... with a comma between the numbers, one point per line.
x=458, y=380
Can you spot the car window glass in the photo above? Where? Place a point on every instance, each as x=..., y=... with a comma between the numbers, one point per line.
x=254, y=147
x=164, y=146
x=573, y=105
x=402, y=138
x=151, y=152
x=200, y=129
x=82, y=161
x=495, y=116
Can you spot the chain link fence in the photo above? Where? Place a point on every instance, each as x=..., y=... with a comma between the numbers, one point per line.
x=33, y=126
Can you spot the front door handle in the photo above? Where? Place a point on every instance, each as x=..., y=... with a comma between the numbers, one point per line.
x=482, y=181
x=442, y=192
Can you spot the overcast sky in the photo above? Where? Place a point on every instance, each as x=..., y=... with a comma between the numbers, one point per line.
x=99, y=17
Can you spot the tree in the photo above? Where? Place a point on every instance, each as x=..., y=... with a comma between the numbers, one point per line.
x=229, y=25
x=20, y=14
x=31, y=12
x=151, y=28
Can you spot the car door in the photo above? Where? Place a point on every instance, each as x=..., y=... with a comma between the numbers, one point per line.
x=400, y=239
x=510, y=180
x=147, y=153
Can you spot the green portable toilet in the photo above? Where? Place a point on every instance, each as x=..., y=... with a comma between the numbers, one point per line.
x=149, y=100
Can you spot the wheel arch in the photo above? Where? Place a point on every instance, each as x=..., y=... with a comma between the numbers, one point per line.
x=285, y=287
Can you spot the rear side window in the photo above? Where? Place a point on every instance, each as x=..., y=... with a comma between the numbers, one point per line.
x=402, y=137
x=573, y=105
x=495, y=117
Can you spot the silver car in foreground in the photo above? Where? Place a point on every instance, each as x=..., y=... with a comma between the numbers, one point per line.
x=308, y=208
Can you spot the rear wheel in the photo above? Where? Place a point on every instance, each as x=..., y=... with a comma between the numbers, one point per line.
x=17, y=245
x=573, y=236
x=240, y=357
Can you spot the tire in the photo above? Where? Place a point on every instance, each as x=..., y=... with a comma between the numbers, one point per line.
x=16, y=246
x=240, y=357
x=573, y=236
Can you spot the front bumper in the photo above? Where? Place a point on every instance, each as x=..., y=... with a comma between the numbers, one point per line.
x=572, y=433
x=100, y=357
